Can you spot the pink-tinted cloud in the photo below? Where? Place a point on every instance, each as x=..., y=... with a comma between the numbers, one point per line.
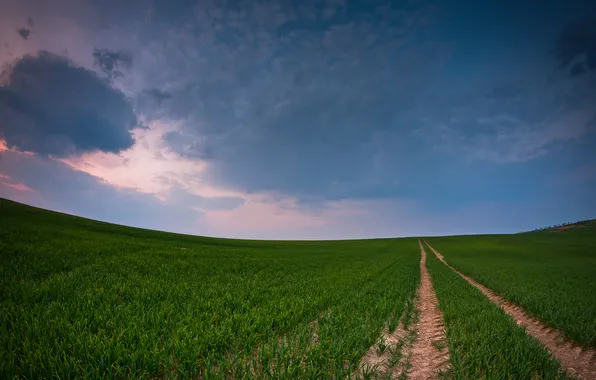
x=11, y=183
x=20, y=187
x=15, y=190
x=59, y=187
x=147, y=166
x=284, y=218
x=261, y=215
x=4, y=147
x=353, y=219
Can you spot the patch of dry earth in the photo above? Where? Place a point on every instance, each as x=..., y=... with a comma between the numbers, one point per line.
x=429, y=354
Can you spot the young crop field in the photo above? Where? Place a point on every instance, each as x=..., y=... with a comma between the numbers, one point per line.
x=484, y=342
x=86, y=299
x=551, y=274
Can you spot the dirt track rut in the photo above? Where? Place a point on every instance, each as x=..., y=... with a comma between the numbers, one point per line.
x=427, y=359
x=577, y=361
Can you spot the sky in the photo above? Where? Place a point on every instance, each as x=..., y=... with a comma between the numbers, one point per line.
x=326, y=119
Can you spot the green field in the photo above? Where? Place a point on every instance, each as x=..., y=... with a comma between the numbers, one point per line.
x=483, y=341
x=81, y=298
x=552, y=275
x=86, y=299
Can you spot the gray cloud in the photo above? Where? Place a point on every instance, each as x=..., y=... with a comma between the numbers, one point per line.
x=159, y=96
x=286, y=102
x=515, y=123
x=331, y=100
x=577, y=69
x=50, y=106
x=576, y=39
x=24, y=33
x=112, y=62
x=518, y=118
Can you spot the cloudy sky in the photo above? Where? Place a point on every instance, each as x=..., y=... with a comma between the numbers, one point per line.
x=301, y=119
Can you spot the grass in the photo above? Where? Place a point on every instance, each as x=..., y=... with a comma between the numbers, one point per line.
x=86, y=299
x=484, y=342
x=550, y=274
x=396, y=353
x=381, y=347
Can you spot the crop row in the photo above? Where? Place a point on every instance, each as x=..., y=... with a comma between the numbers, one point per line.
x=549, y=274
x=484, y=342
x=333, y=345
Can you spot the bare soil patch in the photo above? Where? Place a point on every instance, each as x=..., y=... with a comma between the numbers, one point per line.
x=429, y=353
x=574, y=359
x=385, y=357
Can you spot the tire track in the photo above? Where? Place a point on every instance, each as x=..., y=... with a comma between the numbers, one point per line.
x=429, y=354
x=574, y=359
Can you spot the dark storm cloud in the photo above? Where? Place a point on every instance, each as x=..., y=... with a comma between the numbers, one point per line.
x=515, y=122
x=282, y=99
x=335, y=99
x=577, y=69
x=112, y=62
x=576, y=39
x=50, y=106
x=24, y=33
